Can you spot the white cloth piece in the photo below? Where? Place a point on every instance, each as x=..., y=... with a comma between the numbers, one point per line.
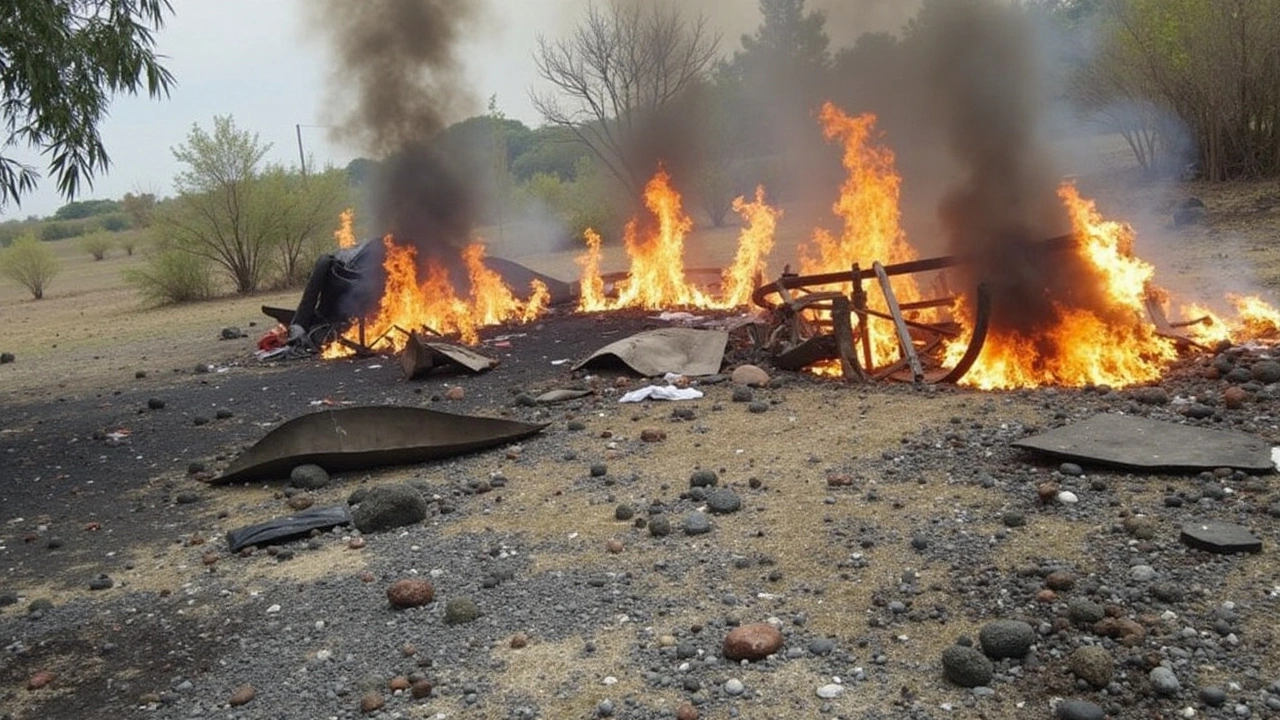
x=661, y=392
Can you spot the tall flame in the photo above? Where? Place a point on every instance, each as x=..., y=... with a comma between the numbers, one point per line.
x=868, y=205
x=656, y=277
x=408, y=305
x=1108, y=340
x=345, y=234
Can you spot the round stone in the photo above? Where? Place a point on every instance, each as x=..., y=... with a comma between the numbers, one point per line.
x=734, y=687
x=1164, y=682
x=309, y=477
x=1213, y=696
x=409, y=593
x=755, y=641
x=1092, y=664
x=1006, y=639
x=460, y=610
x=696, y=523
x=830, y=691
x=749, y=375
x=723, y=500
x=966, y=666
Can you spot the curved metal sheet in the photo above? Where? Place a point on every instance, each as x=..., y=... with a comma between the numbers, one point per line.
x=362, y=437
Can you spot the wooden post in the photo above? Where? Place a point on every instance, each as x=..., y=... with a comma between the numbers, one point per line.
x=904, y=335
x=860, y=307
x=842, y=327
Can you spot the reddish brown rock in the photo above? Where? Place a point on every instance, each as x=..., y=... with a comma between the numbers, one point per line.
x=410, y=593
x=519, y=640
x=455, y=393
x=752, y=642
x=1234, y=397
x=209, y=558
x=653, y=435
x=242, y=695
x=371, y=701
x=40, y=679
x=1126, y=630
x=613, y=545
x=356, y=543
x=420, y=688
x=1060, y=580
x=750, y=375
x=398, y=682
x=301, y=501
x=686, y=712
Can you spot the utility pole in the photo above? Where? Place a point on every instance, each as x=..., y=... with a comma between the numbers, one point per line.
x=302, y=158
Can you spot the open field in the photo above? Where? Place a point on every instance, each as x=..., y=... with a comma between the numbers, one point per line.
x=878, y=525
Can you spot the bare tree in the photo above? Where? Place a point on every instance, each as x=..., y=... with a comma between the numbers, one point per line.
x=616, y=74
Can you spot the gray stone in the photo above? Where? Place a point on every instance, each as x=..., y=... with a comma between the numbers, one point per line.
x=1078, y=710
x=1006, y=639
x=1083, y=611
x=696, y=523
x=1266, y=371
x=309, y=477
x=966, y=667
x=1213, y=696
x=659, y=526
x=387, y=507
x=1220, y=537
x=703, y=478
x=723, y=500
x=1164, y=682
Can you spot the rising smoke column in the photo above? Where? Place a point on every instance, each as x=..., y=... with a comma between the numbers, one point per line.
x=986, y=82
x=398, y=78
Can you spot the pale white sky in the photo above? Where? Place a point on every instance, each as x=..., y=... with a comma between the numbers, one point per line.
x=252, y=59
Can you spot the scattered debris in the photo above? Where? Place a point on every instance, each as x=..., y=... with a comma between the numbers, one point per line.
x=420, y=357
x=1141, y=443
x=1219, y=537
x=288, y=528
x=683, y=351
x=362, y=437
x=661, y=392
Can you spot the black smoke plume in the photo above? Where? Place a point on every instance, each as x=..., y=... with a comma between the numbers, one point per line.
x=398, y=79
x=986, y=82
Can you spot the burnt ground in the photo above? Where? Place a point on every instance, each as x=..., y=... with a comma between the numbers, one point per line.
x=887, y=521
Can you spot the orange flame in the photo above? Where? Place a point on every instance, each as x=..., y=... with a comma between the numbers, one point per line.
x=656, y=278
x=869, y=207
x=345, y=234
x=1113, y=343
x=433, y=304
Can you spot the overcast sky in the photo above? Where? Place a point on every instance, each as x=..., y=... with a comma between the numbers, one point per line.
x=252, y=59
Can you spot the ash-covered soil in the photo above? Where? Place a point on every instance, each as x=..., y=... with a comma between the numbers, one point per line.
x=874, y=527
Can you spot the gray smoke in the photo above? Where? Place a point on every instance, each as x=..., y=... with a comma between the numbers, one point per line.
x=399, y=81
x=986, y=83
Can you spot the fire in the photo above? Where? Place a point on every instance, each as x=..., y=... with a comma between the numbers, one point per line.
x=408, y=304
x=754, y=244
x=656, y=277
x=345, y=234
x=1106, y=341
x=868, y=205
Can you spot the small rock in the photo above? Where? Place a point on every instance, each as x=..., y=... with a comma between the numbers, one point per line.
x=624, y=512
x=519, y=640
x=1070, y=469
x=420, y=688
x=389, y=506
x=652, y=435
x=455, y=393
x=1078, y=710
x=1006, y=639
x=1220, y=537
x=242, y=695
x=231, y=332
x=102, y=582
x=40, y=680
x=703, y=478
x=734, y=687
x=614, y=546
x=461, y=610
x=830, y=691
x=1266, y=372
x=696, y=523
x=410, y=592
x=686, y=711
x=752, y=642
x=1092, y=664
x=1083, y=611
x=309, y=477
x=371, y=701
x=758, y=407
x=1060, y=580
x=966, y=666
x=6, y=358
x=723, y=501
x=1234, y=397
x=1066, y=497
x=659, y=526
x=1164, y=682
x=155, y=404
x=301, y=501
x=749, y=375
x=1213, y=696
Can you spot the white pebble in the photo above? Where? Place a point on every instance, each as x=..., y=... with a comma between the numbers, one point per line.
x=1066, y=497
x=610, y=680
x=323, y=655
x=830, y=691
x=273, y=609
x=734, y=686
x=1188, y=712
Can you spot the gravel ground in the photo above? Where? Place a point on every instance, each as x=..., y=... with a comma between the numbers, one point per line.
x=876, y=529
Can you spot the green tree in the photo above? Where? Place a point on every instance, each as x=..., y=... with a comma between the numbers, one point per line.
x=171, y=275
x=61, y=61
x=30, y=263
x=96, y=244
x=306, y=212
x=219, y=214
x=140, y=208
